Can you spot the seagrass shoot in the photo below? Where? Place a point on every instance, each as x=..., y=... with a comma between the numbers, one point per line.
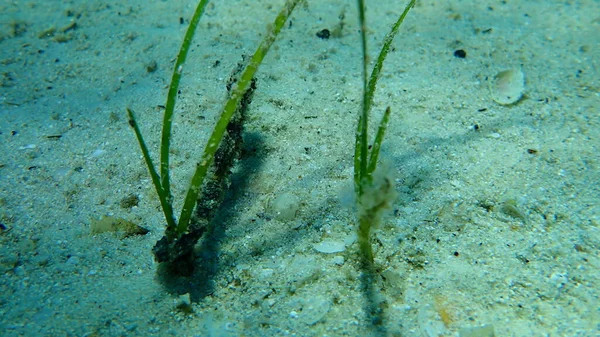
x=224, y=143
x=374, y=188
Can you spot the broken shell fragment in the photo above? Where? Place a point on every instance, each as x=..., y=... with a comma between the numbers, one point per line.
x=114, y=224
x=507, y=86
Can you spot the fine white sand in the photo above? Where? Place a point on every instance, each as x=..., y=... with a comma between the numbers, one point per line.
x=497, y=218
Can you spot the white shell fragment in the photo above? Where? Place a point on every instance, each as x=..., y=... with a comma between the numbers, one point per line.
x=486, y=330
x=330, y=246
x=285, y=207
x=507, y=86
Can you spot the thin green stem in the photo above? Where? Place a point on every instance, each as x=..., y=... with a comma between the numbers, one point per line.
x=171, y=97
x=162, y=194
x=230, y=107
x=387, y=42
x=364, y=119
x=365, y=165
x=378, y=140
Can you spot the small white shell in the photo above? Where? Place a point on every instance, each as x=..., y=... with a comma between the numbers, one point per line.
x=507, y=86
x=330, y=246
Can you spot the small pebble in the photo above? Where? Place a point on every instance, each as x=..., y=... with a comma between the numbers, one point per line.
x=460, y=53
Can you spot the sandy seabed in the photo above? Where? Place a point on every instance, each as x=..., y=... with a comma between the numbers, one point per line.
x=495, y=230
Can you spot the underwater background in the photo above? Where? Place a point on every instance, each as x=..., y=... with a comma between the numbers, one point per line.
x=493, y=145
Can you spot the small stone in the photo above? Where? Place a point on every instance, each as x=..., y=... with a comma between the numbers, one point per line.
x=151, y=66
x=323, y=34
x=338, y=260
x=460, y=53
x=129, y=201
x=73, y=260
